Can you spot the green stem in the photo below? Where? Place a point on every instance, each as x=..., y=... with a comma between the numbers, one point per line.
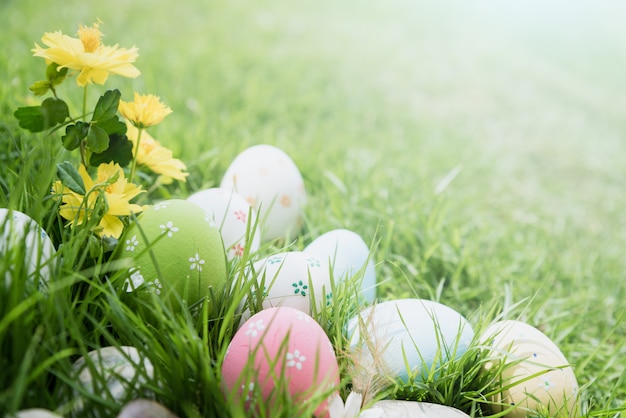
x=84, y=153
x=85, y=99
x=134, y=164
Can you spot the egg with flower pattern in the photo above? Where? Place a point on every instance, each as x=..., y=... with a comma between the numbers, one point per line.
x=280, y=351
x=535, y=374
x=230, y=212
x=293, y=279
x=270, y=181
x=177, y=253
x=25, y=247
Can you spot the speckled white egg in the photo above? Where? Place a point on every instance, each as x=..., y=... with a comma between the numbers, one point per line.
x=410, y=332
x=348, y=254
x=177, y=253
x=19, y=231
x=280, y=344
x=267, y=178
x=230, y=212
x=120, y=373
x=293, y=279
x=535, y=376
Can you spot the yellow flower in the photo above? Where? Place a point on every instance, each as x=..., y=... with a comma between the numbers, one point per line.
x=117, y=194
x=145, y=110
x=156, y=157
x=87, y=55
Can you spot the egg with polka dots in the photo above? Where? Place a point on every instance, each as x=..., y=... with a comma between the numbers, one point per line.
x=535, y=376
x=270, y=181
x=280, y=344
x=294, y=279
x=230, y=213
x=176, y=251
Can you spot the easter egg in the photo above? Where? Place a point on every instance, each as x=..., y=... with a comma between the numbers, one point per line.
x=230, y=213
x=293, y=279
x=280, y=349
x=536, y=376
x=36, y=413
x=22, y=238
x=410, y=409
x=410, y=332
x=145, y=408
x=270, y=181
x=348, y=254
x=177, y=252
x=120, y=373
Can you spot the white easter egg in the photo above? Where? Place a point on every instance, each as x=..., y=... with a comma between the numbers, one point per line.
x=230, y=213
x=19, y=232
x=270, y=181
x=535, y=373
x=410, y=332
x=121, y=373
x=410, y=409
x=36, y=413
x=144, y=408
x=293, y=279
x=280, y=345
x=347, y=254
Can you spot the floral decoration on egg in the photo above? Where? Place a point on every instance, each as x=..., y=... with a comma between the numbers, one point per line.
x=280, y=345
x=293, y=279
x=230, y=213
x=268, y=179
x=177, y=253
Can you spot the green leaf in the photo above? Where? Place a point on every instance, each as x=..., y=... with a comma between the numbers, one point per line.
x=74, y=134
x=39, y=88
x=54, y=75
x=120, y=151
x=70, y=177
x=54, y=111
x=107, y=105
x=97, y=139
x=30, y=118
x=113, y=126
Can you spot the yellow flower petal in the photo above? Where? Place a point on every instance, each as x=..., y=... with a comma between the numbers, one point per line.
x=144, y=111
x=87, y=55
x=111, y=185
x=110, y=226
x=156, y=157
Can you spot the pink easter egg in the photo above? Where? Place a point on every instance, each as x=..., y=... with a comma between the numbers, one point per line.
x=280, y=344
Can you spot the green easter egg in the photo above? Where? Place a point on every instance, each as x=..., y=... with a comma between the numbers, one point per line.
x=177, y=253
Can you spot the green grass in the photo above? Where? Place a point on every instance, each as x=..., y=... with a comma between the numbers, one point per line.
x=478, y=147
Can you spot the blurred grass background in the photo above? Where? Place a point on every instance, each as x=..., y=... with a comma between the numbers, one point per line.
x=482, y=144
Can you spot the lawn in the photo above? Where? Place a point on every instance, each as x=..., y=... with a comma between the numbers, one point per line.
x=477, y=147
